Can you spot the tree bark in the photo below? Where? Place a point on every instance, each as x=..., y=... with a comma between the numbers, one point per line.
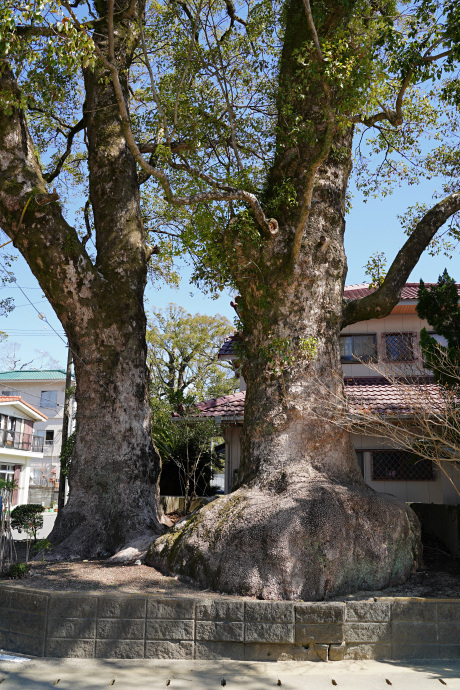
x=302, y=524
x=115, y=468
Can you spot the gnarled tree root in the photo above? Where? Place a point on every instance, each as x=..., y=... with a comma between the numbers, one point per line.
x=311, y=541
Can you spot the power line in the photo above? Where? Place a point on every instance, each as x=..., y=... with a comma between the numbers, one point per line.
x=43, y=318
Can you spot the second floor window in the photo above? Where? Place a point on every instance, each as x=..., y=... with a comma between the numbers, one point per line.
x=48, y=399
x=358, y=348
x=49, y=438
x=399, y=347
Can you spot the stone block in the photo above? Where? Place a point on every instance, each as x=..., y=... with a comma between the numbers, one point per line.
x=32, y=602
x=109, y=629
x=119, y=649
x=219, y=610
x=83, y=628
x=78, y=649
x=27, y=623
x=367, y=632
x=277, y=652
x=322, y=651
x=368, y=611
x=64, y=605
x=25, y=644
x=5, y=598
x=121, y=606
x=219, y=650
x=267, y=611
x=449, y=651
x=449, y=611
x=413, y=633
x=337, y=652
x=5, y=615
x=402, y=652
x=417, y=611
x=368, y=651
x=156, y=649
x=449, y=633
x=320, y=633
x=320, y=613
x=269, y=632
x=219, y=631
x=171, y=609
x=169, y=630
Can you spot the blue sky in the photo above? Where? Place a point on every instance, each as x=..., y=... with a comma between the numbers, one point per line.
x=371, y=227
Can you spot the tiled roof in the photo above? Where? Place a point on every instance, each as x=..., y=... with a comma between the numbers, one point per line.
x=33, y=375
x=376, y=395
x=227, y=346
x=409, y=291
x=17, y=398
x=229, y=406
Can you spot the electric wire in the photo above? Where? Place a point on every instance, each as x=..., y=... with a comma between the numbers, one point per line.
x=43, y=318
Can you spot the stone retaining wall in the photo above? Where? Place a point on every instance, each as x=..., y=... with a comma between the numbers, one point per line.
x=131, y=626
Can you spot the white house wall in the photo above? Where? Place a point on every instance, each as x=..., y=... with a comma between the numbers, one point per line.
x=394, y=323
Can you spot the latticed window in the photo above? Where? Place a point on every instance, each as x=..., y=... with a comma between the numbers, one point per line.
x=400, y=465
x=399, y=347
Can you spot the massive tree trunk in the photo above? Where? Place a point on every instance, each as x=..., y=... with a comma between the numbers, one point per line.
x=302, y=525
x=115, y=468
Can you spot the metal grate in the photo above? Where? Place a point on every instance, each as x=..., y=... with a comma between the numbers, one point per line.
x=400, y=465
x=399, y=347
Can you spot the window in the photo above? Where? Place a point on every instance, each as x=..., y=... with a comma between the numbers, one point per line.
x=10, y=393
x=399, y=347
x=7, y=472
x=400, y=465
x=49, y=438
x=48, y=399
x=358, y=348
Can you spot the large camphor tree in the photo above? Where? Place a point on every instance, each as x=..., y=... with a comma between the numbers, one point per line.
x=247, y=115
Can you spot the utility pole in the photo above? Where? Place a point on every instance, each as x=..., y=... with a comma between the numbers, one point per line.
x=65, y=426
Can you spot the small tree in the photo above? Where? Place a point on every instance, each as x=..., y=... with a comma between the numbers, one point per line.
x=185, y=447
x=28, y=518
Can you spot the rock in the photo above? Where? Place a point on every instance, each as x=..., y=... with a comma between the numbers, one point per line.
x=135, y=550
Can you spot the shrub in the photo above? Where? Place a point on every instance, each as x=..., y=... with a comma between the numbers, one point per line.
x=28, y=518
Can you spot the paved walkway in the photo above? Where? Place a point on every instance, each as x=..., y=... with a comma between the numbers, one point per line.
x=83, y=674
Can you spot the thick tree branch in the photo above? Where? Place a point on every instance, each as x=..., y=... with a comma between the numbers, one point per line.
x=30, y=215
x=381, y=302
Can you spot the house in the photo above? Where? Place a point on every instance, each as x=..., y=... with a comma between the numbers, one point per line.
x=45, y=391
x=391, y=340
x=20, y=447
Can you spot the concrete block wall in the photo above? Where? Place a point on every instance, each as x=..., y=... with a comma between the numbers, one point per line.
x=131, y=626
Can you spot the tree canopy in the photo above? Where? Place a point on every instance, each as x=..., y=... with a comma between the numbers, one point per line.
x=225, y=131
x=182, y=355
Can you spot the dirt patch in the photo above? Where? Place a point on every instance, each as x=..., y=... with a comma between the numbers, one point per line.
x=438, y=578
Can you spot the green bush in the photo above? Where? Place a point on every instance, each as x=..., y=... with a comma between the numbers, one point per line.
x=19, y=570
x=28, y=518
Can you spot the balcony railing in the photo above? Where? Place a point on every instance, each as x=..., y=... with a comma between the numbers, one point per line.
x=18, y=440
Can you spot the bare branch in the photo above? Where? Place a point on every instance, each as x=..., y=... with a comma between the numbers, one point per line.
x=49, y=177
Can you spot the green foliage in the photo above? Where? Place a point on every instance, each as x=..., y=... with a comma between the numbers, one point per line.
x=182, y=355
x=42, y=546
x=185, y=447
x=439, y=306
x=66, y=453
x=281, y=353
x=375, y=269
x=18, y=571
x=27, y=518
